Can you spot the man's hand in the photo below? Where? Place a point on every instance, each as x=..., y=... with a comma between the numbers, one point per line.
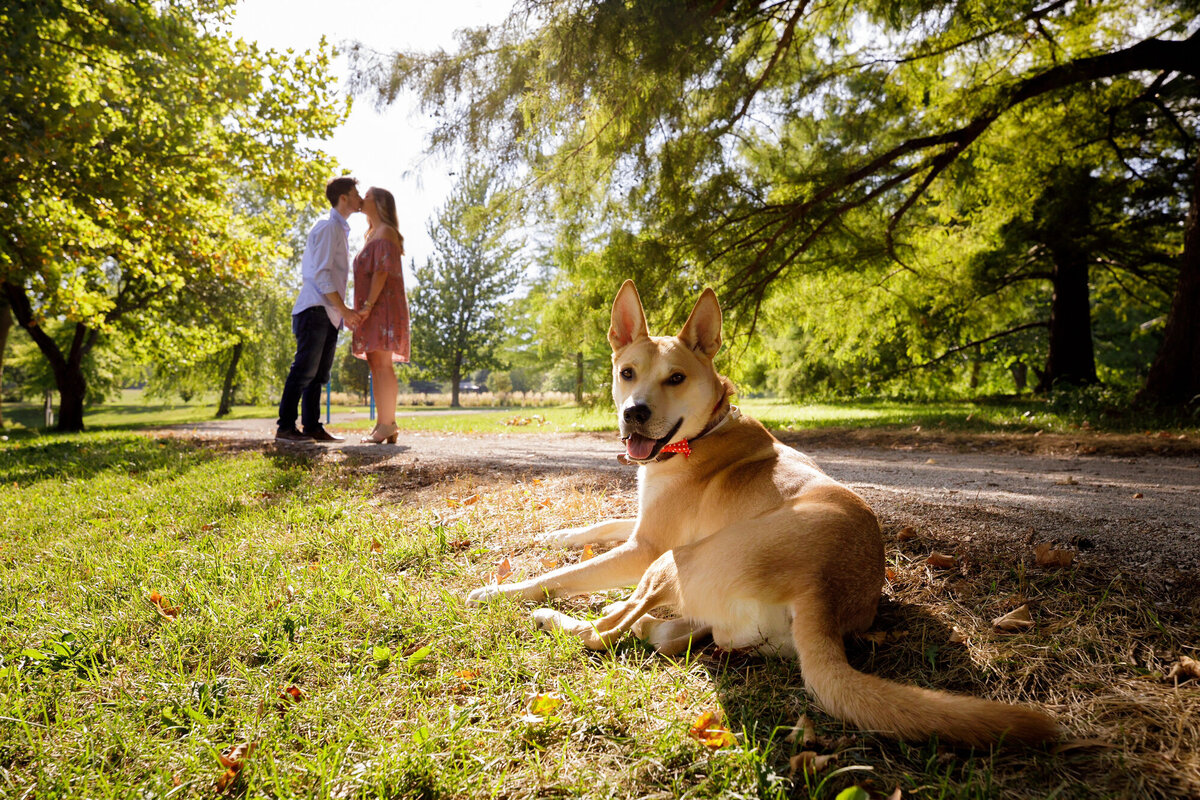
x=353, y=318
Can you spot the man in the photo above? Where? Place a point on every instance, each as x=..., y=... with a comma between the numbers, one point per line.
x=318, y=315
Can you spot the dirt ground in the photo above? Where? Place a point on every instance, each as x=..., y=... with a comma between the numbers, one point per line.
x=1125, y=504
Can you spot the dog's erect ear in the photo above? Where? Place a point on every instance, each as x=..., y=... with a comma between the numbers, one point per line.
x=702, y=331
x=628, y=319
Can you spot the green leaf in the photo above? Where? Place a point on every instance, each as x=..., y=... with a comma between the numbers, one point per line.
x=853, y=793
x=419, y=656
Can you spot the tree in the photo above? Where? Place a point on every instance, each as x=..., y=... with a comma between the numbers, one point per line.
x=129, y=128
x=757, y=142
x=457, y=318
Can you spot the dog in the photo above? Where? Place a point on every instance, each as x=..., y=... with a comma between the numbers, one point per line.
x=745, y=539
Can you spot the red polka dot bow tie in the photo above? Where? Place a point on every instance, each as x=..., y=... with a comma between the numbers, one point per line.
x=678, y=447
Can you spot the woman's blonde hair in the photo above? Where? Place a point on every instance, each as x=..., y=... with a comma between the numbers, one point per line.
x=386, y=204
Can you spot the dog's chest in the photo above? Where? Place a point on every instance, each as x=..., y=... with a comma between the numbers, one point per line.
x=672, y=511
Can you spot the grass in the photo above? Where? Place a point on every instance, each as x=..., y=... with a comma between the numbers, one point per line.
x=344, y=581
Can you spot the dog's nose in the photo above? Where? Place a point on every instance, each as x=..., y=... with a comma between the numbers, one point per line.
x=637, y=414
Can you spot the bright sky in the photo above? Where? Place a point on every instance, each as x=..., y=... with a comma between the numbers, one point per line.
x=380, y=149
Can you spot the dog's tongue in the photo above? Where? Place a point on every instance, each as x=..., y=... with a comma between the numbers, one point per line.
x=638, y=447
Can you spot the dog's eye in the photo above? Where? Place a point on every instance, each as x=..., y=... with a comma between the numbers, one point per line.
x=627, y=374
x=676, y=379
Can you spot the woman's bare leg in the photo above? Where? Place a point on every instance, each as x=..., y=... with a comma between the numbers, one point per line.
x=383, y=381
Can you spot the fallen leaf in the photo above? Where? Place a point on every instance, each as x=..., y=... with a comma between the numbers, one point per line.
x=292, y=693
x=542, y=707
x=503, y=570
x=549, y=562
x=587, y=553
x=906, y=533
x=160, y=605
x=544, y=503
x=467, y=501
x=708, y=730
x=466, y=674
x=453, y=502
x=804, y=730
x=234, y=760
x=931, y=461
x=941, y=561
x=891, y=575
x=314, y=566
x=1138, y=495
x=1183, y=669
x=958, y=637
x=1046, y=556
x=1067, y=481
x=290, y=591
x=376, y=547
x=896, y=795
x=1015, y=621
x=809, y=762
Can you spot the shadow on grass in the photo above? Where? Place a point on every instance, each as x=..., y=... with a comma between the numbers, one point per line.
x=62, y=457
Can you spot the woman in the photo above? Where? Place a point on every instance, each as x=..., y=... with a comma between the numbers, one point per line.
x=382, y=337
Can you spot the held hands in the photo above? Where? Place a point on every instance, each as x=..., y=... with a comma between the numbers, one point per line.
x=353, y=318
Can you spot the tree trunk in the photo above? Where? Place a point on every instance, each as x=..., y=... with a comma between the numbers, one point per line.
x=5, y=327
x=1072, y=358
x=1020, y=373
x=1174, y=379
x=226, y=404
x=579, y=378
x=68, y=369
x=455, y=377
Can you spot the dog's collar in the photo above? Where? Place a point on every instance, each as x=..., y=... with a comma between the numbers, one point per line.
x=684, y=446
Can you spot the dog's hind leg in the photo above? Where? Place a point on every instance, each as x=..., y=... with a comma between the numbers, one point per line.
x=608, y=531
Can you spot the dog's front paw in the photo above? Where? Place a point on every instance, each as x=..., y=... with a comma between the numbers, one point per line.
x=484, y=594
x=564, y=537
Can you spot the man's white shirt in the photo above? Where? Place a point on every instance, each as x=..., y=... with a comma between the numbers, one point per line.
x=325, y=266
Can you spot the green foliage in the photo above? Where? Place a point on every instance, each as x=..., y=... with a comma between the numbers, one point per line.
x=134, y=130
x=886, y=158
x=457, y=302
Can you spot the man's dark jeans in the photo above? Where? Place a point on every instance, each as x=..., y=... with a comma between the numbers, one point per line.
x=316, y=340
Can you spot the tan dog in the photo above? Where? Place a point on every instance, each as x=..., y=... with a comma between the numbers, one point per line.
x=744, y=538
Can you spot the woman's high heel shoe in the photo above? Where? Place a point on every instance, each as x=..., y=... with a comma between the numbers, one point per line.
x=383, y=433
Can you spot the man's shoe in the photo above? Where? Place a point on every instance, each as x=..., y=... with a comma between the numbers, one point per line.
x=291, y=435
x=322, y=435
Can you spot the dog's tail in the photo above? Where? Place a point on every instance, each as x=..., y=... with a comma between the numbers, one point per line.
x=894, y=709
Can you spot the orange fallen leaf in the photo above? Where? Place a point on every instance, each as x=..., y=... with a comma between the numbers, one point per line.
x=941, y=561
x=809, y=762
x=314, y=566
x=466, y=674
x=906, y=533
x=376, y=547
x=471, y=500
x=453, y=502
x=293, y=693
x=1138, y=495
x=544, y=503
x=587, y=553
x=708, y=730
x=1046, y=556
x=549, y=562
x=234, y=760
x=1183, y=669
x=160, y=605
x=1015, y=621
x=503, y=570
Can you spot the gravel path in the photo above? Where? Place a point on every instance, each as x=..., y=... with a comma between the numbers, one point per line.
x=1139, y=515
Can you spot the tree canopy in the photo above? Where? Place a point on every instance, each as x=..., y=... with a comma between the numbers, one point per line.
x=131, y=132
x=757, y=146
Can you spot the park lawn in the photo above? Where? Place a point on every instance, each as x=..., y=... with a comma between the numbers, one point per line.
x=308, y=608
